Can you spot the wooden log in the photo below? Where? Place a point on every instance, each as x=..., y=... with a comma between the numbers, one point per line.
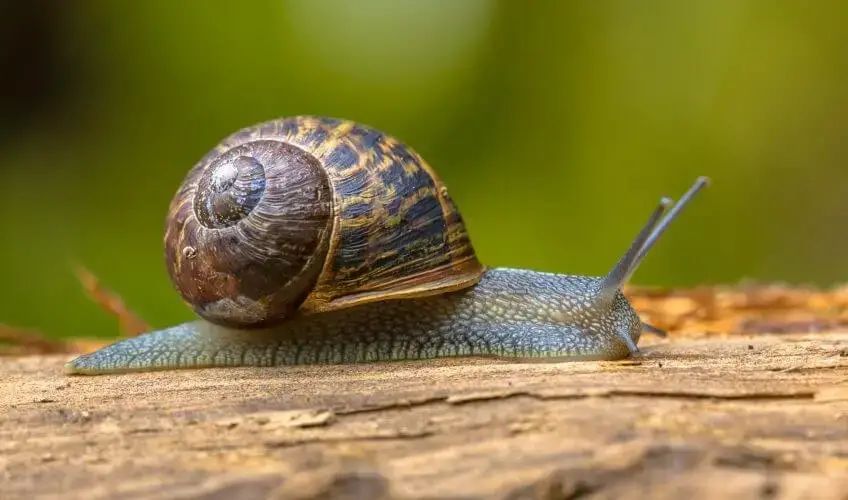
x=760, y=416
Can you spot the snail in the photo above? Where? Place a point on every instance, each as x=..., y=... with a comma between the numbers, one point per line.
x=313, y=240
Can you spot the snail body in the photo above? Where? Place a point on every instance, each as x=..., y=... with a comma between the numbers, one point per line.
x=310, y=240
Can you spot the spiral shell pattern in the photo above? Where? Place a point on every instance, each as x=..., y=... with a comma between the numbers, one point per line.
x=309, y=214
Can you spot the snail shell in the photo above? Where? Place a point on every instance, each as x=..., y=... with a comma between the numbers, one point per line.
x=307, y=214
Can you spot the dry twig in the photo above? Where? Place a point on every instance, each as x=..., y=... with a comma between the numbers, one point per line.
x=130, y=324
x=16, y=341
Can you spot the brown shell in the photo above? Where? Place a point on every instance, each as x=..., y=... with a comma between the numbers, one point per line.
x=310, y=214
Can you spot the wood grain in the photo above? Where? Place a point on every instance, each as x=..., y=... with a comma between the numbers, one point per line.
x=757, y=417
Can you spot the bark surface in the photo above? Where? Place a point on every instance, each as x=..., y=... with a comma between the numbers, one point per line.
x=721, y=411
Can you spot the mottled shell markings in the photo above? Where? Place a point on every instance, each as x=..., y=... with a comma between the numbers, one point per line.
x=395, y=230
x=312, y=214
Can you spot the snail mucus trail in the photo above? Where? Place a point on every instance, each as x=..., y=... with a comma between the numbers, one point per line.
x=311, y=240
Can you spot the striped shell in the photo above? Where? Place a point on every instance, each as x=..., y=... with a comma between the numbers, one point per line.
x=307, y=214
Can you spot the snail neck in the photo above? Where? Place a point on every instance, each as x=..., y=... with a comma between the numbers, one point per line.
x=582, y=303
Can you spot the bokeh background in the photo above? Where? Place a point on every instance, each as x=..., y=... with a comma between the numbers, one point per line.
x=557, y=126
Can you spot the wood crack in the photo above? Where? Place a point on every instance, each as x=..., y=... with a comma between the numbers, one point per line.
x=712, y=422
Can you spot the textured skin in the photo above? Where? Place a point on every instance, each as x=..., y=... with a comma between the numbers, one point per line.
x=510, y=313
x=312, y=214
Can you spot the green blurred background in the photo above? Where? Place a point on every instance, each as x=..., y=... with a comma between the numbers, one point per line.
x=557, y=126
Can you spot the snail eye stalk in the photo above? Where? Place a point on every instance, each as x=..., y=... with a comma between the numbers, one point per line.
x=645, y=240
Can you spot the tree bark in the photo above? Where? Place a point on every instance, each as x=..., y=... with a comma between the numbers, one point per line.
x=757, y=416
